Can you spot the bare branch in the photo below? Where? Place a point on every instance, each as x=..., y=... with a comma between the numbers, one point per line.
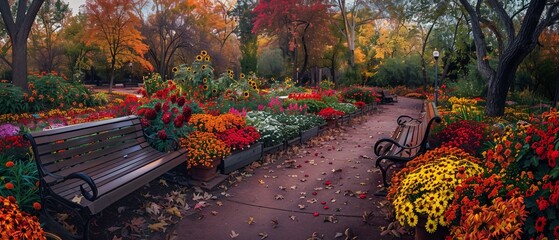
x=505, y=19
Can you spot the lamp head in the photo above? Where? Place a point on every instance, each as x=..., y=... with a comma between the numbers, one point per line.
x=436, y=54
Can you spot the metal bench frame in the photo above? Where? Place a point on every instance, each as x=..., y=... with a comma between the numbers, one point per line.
x=409, y=140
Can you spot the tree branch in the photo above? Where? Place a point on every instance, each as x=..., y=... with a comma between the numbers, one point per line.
x=503, y=15
x=479, y=39
x=7, y=17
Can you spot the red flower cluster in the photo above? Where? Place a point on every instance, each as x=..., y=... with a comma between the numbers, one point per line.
x=303, y=96
x=359, y=104
x=239, y=138
x=465, y=134
x=13, y=142
x=543, y=139
x=330, y=113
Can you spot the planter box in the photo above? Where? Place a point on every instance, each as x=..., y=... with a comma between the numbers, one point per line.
x=322, y=128
x=309, y=133
x=293, y=141
x=345, y=119
x=241, y=158
x=273, y=149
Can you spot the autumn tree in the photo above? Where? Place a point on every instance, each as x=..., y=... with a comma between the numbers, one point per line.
x=76, y=49
x=516, y=27
x=249, y=44
x=112, y=25
x=18, y=29
x=171, y=26
x=46, y=47
x=292, y=21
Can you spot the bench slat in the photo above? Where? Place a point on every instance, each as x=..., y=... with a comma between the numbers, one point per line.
x=69, y=143
x=134, y=180
x=110, y=171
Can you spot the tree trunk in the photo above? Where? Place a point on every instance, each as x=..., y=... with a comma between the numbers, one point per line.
x=556, y=96
x=19, y=63
x=112, y=76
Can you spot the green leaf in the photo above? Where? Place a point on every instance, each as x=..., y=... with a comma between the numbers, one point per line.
x=554, y=172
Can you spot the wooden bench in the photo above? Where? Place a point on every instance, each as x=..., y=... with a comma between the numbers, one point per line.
x=409, y=140
x=387, y=97
x=98, y=163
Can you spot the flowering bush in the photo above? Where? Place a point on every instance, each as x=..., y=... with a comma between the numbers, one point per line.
x=272, y=131
x=216, y=124
x=427, y=190
x=486, y=207
x=465, y=134
x=304, y=96
x=166, y=118
x=359, y=104
x=330, y=113
x=16, y=224
x=203, y=148
x=356, y=93
x=239, y=138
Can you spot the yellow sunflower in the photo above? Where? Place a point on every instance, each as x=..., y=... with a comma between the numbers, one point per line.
x=255, y=88
x=242, y=75
x=246, y=94
x=188, y=69
x=205, y=87
x=250, y=79
x=431, y=225
x=412, y=220
x=204, y=53
x=204, y=67
x=229, y=71
x=207, y=58
x=175, y=69
x=214, y=90
x=198, y=58
x=205, y=80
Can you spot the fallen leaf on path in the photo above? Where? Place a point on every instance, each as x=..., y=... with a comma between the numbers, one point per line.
x=263, y=235
x=163, y=182
x=116, y=238
x=292, y=217
x=214, y=213
x=281, y=188
x=219, y=203
x=331, y=219
x=261, y=181
x=153, y=209
x=338, y=235
x=158, y=227
x=233, y=234
x=275, y=223
x=200, y=205
x=279, y=197
x=301, y=206
x=250, y=221
x=312, y=200
x=120, y=209
x=174, y=211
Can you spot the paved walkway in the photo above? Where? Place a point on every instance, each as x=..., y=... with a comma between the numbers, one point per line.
x=323, y=190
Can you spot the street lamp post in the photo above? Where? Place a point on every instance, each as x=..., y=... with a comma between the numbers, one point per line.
x=436, y=56
x=130, y=65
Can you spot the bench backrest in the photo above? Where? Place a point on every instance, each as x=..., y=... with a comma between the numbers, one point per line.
x=431, y=115
x=66, y=147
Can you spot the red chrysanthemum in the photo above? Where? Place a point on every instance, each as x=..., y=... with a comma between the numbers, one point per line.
x=179, y=121
x=166, y=118
x=181, y=101
x=161, y=134
x=540, y=224
x=9, y=164
x=157, y=107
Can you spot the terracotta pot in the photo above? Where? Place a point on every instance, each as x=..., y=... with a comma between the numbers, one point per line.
x=422, y=234
x=205, y=174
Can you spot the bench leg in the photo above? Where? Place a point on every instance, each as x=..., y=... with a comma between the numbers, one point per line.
x=82, y=213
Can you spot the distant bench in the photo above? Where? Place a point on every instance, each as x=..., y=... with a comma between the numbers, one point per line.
x=111, y=157
x=409, y=140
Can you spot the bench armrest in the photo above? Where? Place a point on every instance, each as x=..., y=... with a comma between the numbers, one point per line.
x=405, y=119
x=383, y=141
x=89, y=196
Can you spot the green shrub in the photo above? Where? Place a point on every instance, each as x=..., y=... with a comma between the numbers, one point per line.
x=11, y=99
x=313, y=106
x=527, y=97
